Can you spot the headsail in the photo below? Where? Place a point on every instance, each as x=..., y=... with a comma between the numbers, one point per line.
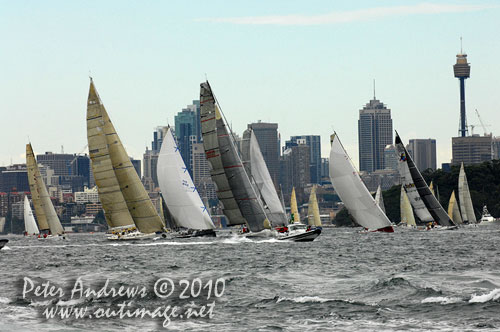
x=228, y=173
x=29, y=220
x=44, y=206
x=181, y=196
x=113, y=204
x=380, y=199
x=407, y=216
x=313, y=217
x=294, y=210
x=453, y=210
x=431, y=203
x=137, y=199
x=466, y=207
x=265, y=186
x=352, y=191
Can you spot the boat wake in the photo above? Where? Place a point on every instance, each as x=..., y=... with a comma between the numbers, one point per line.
x=494, y=295
x=304, y=299
x=442, y=300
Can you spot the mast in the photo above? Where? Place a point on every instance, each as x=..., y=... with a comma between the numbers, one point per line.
x=110, y=195
x=431, y=203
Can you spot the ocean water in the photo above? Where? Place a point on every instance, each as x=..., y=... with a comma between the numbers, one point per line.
x=343, y=281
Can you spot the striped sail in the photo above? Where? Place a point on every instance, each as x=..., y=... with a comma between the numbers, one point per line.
x=29, y=220
x=466, y=207
x=352, y=191
x=44, y=206
x=113, y=204
x=313, y=217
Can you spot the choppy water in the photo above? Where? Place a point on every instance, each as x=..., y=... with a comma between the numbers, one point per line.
x=343, y=281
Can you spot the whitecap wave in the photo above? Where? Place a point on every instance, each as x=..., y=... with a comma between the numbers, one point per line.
x=491, y=296
x=4, y=300
x=303, y=299
x=42, y=303
x=6, y=248
x=442, y=300
x=70, y=302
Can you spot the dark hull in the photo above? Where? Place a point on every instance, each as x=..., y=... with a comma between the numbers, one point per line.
x=3, y=242
x=303, y=237
x=197, y=233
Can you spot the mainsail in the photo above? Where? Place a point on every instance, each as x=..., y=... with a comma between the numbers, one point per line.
x=417, y=181
x=234, y=189
x=139, y=204
x=466, y=207
x=45, y=212
x=453, y=210
x=257, y=168
x=29, y=220
x=313, y=217
x=181, y=196
x=294, y=210
x=380, y=199
x=407, y=216
x=353, y=193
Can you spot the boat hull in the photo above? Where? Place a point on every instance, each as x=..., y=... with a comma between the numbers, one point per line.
x=197, y=233
x=303, y=237
x=3, y=242
x=129, y=236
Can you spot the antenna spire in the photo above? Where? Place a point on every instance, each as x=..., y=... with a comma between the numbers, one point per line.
x=374, y=89
x=461, y=52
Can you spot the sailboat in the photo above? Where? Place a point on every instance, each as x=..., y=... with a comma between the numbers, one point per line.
x=181, y=197
x=240, y=201
x=313, y=217
x=45, y=212
x=453, y=210
x=294, y=210
x=352, y=191
x=379, y=199
x=30, y=227
x=465, y=200
x=424, y=203
x=128, y=210
x=407, y=217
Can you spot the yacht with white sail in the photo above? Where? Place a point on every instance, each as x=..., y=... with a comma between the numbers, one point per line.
x=30, y=227
x=182, y=200
x=352, y=191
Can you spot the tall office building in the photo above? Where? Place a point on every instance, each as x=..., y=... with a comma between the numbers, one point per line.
x=496, y=147
x=59, y=162
x=423, y=152
x=314, y=144
x=390, y=157
x=150, y=161
x=374, y=134
x=471, y=149
x=269, y=144
x=295, y=170
x=201, y=173
x=186, y=132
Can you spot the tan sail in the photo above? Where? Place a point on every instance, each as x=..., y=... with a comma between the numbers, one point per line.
x=43, y=206
x=313, y=217
x=431, y=187
x=466, y=207
x=293, y=207
x=407, y=216
x=453, y=210
x=114, y=206
x=138, y=202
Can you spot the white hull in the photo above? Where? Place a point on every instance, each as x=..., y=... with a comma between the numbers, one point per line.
x=136, y=235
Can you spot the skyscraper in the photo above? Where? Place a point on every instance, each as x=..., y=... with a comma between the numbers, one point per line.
x=314, y=144
x=374, y=134
x=295, y=172
x=187, y=131
x=269, y=144
x=423, y=152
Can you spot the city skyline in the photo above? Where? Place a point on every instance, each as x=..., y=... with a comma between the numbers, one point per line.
x=148, y=61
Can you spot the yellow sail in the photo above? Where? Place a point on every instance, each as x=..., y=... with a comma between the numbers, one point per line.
x=293, y=207
x=453, y=210
x=407, y=216
x=313, y=217
x=33, y=177
x=44, y=205
x=138, y=202
x=431, y=187
x=114, y=205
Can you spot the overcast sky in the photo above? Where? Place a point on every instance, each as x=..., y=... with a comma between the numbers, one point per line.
x=307, y=65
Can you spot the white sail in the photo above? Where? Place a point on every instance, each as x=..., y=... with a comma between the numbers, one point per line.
x=380, y=199
x=407, y=216
x=45, y=206
x=453, y=210
x=265, y=185
x=466, y=207
x=181, y=196
x=313, y=217
x=29, y=219
x=411, y=190
x=352, y=191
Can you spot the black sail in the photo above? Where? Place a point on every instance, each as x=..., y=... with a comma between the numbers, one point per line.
x=430, y=201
